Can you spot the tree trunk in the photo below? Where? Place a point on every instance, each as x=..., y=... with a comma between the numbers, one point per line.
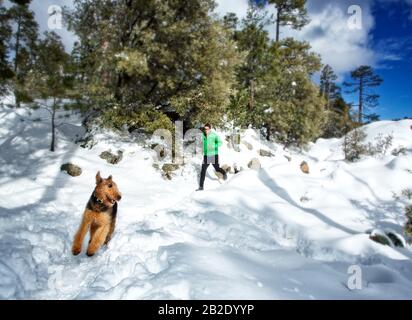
x=53, y=141
x=16, y=65
x=252, y=100
x=360, y=116
x=268, y=132
x=327, y=96
x=278, y=25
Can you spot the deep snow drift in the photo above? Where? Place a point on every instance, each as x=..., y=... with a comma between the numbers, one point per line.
x=272, y=234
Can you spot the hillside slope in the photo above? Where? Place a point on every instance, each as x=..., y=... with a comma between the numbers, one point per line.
x=272, y=234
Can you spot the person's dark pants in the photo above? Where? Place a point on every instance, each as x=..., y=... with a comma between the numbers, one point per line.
x=207, y=160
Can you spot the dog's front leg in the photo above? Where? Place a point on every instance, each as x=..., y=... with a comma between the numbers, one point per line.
x=111, y=230
x=98, y=239
x=81, y=233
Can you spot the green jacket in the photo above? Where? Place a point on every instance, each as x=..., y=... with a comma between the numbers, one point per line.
x=211, y=144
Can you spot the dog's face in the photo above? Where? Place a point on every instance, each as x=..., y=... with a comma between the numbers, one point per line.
x=107, y=191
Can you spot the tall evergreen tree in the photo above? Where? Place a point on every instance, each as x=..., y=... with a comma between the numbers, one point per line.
x=140, y=55
x=51, y=79
x=364, y=80
x=24, y=37
x=339, y=121
x=297, y=111
x=254, y=41
x=285, y=101
x=6, y=72
x=290, y=13
x=328, y=88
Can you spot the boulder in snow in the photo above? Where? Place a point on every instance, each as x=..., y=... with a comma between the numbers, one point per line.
x=380, y=237
x=236, y=169
x=254, y=164
x=265, y=153
x=170, y=167
x=227, y=168
x=161, y=150
x=288, y=158
x=396, y=239
x=112, y=158
x=71, y=169
x=304, y=167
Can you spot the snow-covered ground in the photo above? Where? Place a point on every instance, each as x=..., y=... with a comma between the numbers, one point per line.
x=270, y=234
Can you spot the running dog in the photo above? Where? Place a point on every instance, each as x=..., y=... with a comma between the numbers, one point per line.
x=99, y=216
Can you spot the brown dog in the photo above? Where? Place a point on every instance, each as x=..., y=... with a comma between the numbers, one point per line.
x=99, y=216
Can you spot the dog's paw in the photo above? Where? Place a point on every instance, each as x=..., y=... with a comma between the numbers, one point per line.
x=76, y=251
x=90, y=254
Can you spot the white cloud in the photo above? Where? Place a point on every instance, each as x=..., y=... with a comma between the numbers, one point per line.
x=328, y=32
x=329, y=35
x=236, y=6
x=41, y=10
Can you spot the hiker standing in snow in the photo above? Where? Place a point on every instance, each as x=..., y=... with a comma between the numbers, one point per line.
x=211, y=144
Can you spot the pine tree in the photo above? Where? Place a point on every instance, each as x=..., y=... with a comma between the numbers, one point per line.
x=253, y=40
x=328, y=88
x=274, y=87
x=296, y=113
x=364, y=79
x=138, y=56
x=24, y=45
x=290, y=13
x=6, y=72
x=339, y=121
x=51, y=79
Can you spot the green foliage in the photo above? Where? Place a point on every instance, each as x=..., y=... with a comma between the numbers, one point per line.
x=364, y=80
x=328, y=88
x=353, y=145
x=381, y=146
x=24, y=44
x=146, y=119
x=339, y=121
x=290, y=13
x=169, y=56
x=400, y=150
x=408, y=225
x=274, y=88
x=51, y=76
x=407, y=193
x=217, y=61
x=6, y=72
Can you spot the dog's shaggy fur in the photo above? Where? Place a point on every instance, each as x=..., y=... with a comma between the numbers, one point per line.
x=99, y=216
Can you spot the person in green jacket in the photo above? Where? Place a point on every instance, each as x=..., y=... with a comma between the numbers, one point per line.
x=211, y=144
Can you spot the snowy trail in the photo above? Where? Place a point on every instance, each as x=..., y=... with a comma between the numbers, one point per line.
x=250, y=238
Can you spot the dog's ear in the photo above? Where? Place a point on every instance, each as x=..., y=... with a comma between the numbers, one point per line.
x=98, y=178
x=110, y=178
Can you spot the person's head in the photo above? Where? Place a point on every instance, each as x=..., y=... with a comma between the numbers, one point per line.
x=207, y=127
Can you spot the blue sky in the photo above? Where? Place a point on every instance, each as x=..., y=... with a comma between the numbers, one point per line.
x=384, y=41
x=392, y=35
